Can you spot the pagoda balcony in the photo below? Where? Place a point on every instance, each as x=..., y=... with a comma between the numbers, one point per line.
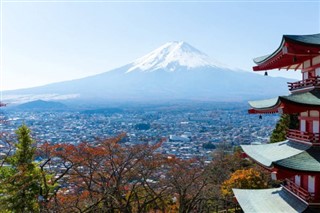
x=304, y=84
x=299, y=191
x=309, y=137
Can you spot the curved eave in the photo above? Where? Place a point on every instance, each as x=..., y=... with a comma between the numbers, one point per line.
x=310, y=98
x=269, y=200
x=263, y=59
x=294, y=103
x=266, y=154
x=282, y=62
x=290, y=106
x=307, y=161
x=291, y=53
x=264, y=106
x=266, y=111
x=312, y=40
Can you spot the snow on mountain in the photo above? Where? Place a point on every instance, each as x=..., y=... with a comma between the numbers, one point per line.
x=175, y=71
x=171, y=56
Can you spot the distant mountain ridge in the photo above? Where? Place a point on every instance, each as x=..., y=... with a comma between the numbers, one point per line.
x=41, y=105
x=175, y=71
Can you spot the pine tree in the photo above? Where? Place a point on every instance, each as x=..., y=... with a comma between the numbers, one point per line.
x=286, y=121
x=20, y=181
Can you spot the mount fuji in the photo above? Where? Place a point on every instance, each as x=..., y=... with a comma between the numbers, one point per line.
x=174, y=71
x=173, y=56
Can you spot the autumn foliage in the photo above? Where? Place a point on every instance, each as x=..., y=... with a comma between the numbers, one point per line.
x=243, y=179
x=110, y=176
x=106, y=175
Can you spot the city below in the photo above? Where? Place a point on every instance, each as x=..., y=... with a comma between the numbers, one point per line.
x=187, y=130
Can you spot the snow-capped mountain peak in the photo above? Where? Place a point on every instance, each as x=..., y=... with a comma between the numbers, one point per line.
x=171, y=56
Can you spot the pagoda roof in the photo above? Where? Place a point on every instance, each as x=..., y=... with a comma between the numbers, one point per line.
x=308, y=160
x=267, y=154
x=292, y=52
x=265, y=106
x=268, y=200
x=309, y=98
x=305, y=99
x=305, y=39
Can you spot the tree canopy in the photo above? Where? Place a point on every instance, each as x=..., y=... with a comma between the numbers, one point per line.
x=20, y=178
x=243, y=179
x=286, y=121
x=110, y=176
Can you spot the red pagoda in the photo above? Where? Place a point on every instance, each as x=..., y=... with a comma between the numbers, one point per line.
x=295, y=161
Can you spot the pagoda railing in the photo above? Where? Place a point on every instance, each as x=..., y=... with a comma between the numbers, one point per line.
x=298, y=190
x=303, y=136
x=310, y=82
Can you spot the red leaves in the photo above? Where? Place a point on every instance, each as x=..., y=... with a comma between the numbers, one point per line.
x=102, y=172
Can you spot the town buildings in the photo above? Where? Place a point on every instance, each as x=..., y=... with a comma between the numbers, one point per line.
x=195, y=124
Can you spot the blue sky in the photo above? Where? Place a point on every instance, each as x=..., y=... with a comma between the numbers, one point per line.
x=52, y=41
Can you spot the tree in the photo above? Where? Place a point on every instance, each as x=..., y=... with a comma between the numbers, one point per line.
x=243, y=179
x=107, y=176
x=225, y=163
x=189, y=183
x=219, y=170
x=21, y=179
x=286, y=121
x=208, y=145
x=8, y=147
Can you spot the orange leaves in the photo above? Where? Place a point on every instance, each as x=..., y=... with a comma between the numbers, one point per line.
x=101, y=173
x=115, y=177
x=243, y=179
x=188, y=181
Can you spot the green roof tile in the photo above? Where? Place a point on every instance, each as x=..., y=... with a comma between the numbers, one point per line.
x=264, y=104
x=305, y=39
x=306, y=98
x=309, y=98
x=308, y=160
x=268, y=200
x=266, y=154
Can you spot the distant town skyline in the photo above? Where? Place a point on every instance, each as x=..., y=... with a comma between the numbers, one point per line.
x=52, y=41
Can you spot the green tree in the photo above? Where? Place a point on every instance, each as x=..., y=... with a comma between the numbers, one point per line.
x=285, y=122
x=21, y=179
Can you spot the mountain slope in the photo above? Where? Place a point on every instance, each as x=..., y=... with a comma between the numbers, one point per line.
x=172, y=56
x=41, y=105
x=174, y=71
